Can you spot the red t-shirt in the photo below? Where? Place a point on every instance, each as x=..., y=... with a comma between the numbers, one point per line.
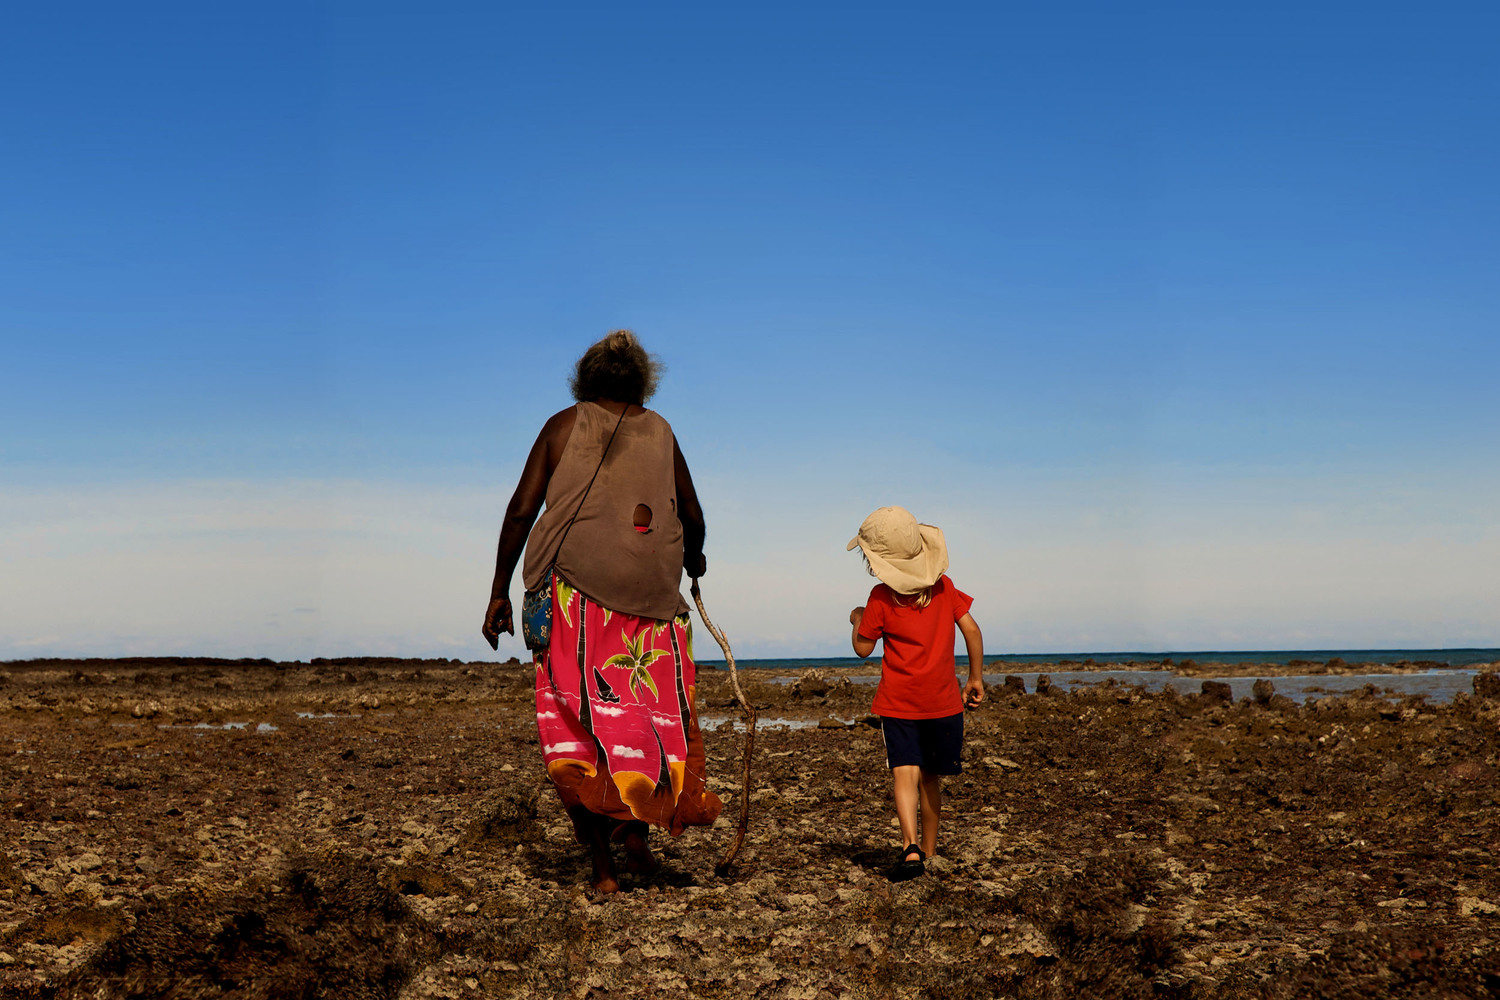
x=918, y=679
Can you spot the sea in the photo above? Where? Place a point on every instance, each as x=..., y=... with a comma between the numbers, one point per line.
x=1445, y=672
x=1434, y=657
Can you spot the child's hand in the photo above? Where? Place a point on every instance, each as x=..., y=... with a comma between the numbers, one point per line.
x=856, y=615
x=973, y=693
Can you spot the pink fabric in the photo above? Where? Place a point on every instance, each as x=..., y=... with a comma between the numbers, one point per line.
x=617, y=717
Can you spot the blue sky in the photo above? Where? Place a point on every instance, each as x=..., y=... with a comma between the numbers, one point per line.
x=1181, y=322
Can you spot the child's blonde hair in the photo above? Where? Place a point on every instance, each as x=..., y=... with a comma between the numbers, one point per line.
x=922, y=597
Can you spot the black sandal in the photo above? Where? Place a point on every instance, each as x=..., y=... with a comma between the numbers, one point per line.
x=905, y=869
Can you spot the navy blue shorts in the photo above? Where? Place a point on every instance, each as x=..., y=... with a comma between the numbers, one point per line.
x=934, y=745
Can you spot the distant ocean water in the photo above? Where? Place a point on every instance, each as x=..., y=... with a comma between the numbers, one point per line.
x=1425, y=657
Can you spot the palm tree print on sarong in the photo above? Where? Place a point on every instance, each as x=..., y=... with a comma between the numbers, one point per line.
x=637, y=661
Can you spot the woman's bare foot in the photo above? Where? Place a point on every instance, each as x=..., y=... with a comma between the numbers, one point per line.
x=593, y=833
x=638, y=857
x=606, y=880
x=604, y=884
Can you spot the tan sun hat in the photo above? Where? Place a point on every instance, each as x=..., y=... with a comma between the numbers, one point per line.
x=906, y=556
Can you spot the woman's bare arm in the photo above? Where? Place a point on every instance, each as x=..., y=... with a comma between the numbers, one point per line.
x=691, y=515
x=520, y=515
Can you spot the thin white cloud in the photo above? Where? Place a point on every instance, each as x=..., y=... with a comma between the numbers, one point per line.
x=348, y=568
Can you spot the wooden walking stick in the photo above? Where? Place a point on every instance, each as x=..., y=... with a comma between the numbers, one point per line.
x=724, y=867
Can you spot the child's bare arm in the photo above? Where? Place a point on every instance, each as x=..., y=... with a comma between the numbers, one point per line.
x=862, y=646
x=974, y=640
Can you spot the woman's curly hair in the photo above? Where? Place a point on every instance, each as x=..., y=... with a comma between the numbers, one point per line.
x=617, y=368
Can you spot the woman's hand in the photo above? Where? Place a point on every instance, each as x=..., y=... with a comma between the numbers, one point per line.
x=497, y=620
x=695, y=563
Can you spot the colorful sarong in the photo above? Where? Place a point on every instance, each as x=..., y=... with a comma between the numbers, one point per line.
x=617, y=717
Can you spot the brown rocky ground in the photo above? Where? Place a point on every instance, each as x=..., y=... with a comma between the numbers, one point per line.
x=397, y=839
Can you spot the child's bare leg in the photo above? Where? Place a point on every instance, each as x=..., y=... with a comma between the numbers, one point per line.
x=932, y=810
x=907, y=778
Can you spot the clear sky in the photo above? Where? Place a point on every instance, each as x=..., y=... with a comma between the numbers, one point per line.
x=1183, y=321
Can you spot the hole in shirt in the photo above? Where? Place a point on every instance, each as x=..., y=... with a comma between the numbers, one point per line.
x=642, y=518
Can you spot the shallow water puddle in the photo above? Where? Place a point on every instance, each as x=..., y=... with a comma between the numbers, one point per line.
x=715, y=721
x=260, y=727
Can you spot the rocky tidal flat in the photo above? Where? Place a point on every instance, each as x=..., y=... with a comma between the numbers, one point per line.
x=382, y=828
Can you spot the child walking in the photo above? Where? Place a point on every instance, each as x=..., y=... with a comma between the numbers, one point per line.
x=914, y=610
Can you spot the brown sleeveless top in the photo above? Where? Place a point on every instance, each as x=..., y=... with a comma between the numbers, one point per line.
x=604, y=556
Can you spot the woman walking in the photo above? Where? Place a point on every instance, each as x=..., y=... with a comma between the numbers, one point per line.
x=615, y=679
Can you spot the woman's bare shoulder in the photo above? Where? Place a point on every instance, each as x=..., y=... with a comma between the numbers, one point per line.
x=561, y=423
x=554, y=435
